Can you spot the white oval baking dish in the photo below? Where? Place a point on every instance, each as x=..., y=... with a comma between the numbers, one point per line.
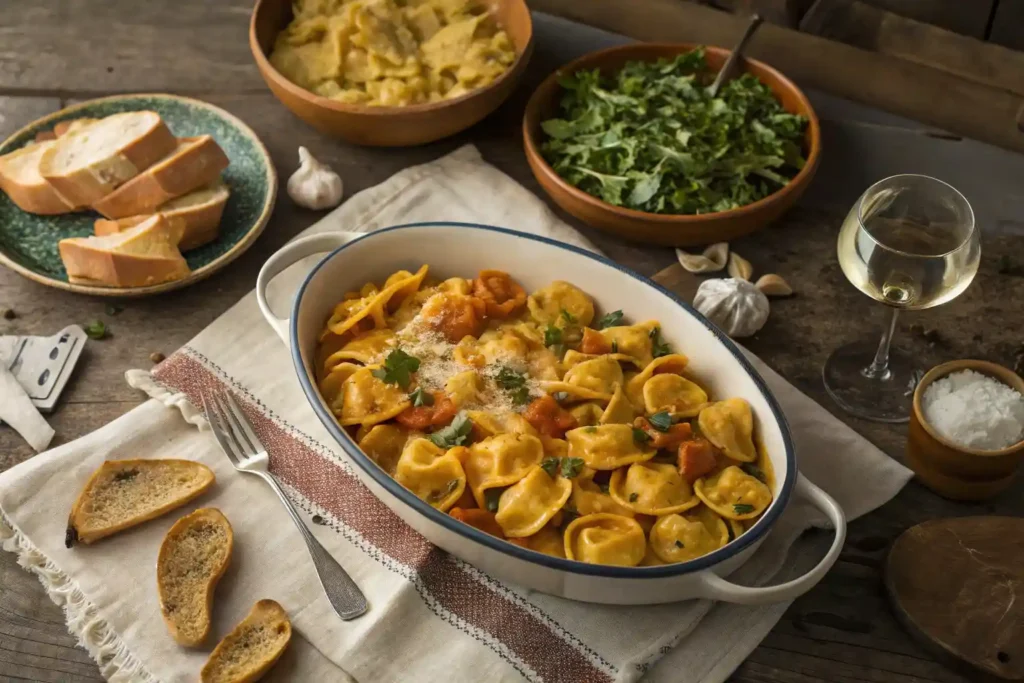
x=463, y=249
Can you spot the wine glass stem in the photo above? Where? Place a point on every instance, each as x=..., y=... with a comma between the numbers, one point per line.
x=879, y=368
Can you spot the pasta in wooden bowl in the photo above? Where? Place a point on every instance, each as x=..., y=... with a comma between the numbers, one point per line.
x=539, y=419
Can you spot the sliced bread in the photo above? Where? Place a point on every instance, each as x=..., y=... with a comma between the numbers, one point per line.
x=146, y=254
x=251, y=648
x=72, y=125
x=63, y=128
x=194, y=555
x=21, y=180
x=201, y=210
x=123, y=493
x=193, y=163
x=88, y=164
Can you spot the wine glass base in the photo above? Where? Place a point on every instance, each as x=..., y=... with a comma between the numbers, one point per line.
x=882, y=399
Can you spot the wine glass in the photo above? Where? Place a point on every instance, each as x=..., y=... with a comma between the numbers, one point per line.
x=909, y=242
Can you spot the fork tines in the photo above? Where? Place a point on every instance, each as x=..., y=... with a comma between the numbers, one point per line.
x=230, y=426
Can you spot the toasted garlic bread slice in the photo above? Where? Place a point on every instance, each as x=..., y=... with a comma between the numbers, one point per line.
x=123, y=493
x=194, y=555
x=193, y=163
x=146, y=254
x=88, y=164
x=251, y=648
x=201, y=210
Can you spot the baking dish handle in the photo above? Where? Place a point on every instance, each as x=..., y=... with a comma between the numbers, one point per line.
x=717, y=588
x=285, y=257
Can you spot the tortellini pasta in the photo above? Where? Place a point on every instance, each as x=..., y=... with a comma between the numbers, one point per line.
x=673, y=394
x=431, y=473
x=729, y=425
x=501, y=460
x=652, y=488
x=526, y=506
x=606, y=447
x=532, y=418
x=734, y=494
x=678, y=538
x=390, y=52
x=605, y=539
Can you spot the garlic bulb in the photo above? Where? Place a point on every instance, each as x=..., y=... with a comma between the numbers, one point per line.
x=314, y=185
x=735, y=305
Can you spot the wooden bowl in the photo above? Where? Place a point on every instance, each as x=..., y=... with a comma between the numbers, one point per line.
x=954, y=471
x=390, y=126
x=674, y=230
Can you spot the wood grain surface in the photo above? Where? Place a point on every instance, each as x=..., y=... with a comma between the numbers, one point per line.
x=955, y=584
x=843, y=630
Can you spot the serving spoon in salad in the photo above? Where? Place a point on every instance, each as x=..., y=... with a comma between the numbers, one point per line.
x=735, y=55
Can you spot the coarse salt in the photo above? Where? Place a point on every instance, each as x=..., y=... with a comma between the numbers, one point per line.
x=975, y=411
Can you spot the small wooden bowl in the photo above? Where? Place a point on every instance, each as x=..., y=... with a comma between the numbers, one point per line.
x=953, y=471
x=390, y=126
x=673, y=230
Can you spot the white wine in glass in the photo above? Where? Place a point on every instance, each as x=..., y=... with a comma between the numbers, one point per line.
x=909, y=242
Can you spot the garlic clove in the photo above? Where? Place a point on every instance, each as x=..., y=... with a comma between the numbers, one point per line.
x=773, y=285
x=739, y=267
x=710, y=260
x=314, y=185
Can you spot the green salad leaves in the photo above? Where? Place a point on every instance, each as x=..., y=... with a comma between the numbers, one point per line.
x=652, y=139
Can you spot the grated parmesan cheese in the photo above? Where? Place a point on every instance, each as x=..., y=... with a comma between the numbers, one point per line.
x=438, y=363
x=974, y=411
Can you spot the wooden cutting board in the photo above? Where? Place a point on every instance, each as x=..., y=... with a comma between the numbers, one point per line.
x=958, y=586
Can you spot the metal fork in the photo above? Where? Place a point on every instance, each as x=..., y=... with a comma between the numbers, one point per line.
x=247, y=454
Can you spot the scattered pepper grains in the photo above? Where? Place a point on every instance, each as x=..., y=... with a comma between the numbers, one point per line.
x=317, y=519
x=157, y=357
x=9, y=314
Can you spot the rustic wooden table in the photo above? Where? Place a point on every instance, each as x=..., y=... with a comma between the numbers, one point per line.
x=56, y=52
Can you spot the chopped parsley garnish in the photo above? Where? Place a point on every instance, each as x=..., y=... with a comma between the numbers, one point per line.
x=454, y=434
x=571, y=467
x=679, y=544
x=560, y=396
x=590, y=430
x=549, y=465
x=613, y=319
x=754, y=471
x=96, y=330
x=633, y=497
x=661, y=421
x=515, y=384
x=421, y=398
x=640, y=436
x=568, y=317
x=603, y=487
x=615, y=346
x=742, y=508
x=113, y=310
x=552, y=335
x=491, y=498
x=398, y=368
x=659, y=347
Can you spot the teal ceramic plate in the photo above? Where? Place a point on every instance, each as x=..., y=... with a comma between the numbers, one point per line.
x=28, y=243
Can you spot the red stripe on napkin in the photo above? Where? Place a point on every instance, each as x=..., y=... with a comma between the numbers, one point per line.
x=326, y=484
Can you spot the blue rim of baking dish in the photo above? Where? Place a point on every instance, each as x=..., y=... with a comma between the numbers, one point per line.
x=493, y=542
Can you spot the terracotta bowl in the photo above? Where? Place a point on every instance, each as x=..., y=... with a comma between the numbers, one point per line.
x=953, y=471
x=673, y=230
x=389, y=126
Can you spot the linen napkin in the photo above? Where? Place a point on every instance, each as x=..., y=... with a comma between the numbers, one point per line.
x=432, y=616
